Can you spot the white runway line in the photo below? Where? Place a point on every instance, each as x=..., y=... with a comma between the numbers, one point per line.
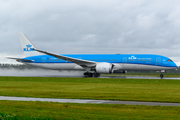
x=88, y=101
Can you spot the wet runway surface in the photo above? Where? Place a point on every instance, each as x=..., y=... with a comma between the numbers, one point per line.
x=121, y=77
x=140, y=77
x=88, y=101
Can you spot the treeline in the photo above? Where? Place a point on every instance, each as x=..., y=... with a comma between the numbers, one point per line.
x=24, y=66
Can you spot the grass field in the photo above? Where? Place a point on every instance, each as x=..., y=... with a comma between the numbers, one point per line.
x=88, y=88
x=92, y=88
x=67, y=111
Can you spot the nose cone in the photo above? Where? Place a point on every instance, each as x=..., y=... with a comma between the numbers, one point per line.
x=174, y=65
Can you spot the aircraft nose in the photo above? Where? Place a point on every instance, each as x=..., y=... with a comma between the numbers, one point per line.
x=174, y=65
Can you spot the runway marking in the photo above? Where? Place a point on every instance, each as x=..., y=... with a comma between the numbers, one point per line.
x=88, y=101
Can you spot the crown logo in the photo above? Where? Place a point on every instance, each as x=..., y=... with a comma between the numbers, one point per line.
x=28, y=46
x=132, y=57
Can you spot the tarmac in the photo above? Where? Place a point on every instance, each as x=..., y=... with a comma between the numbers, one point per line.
x=88, y=101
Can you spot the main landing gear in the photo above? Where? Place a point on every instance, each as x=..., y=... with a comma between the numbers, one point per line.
x=92, y=74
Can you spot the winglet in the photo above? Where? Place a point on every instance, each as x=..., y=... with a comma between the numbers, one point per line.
x=26, y=44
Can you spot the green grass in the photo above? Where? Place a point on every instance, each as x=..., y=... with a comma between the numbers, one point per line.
x=68, y=111
x=88, y=88
x=92, y=88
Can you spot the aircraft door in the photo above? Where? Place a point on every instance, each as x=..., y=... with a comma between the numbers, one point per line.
x=124, y=60
x=158, y=60
x=43, y=60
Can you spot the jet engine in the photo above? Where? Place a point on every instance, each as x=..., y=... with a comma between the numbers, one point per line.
x=104, y=68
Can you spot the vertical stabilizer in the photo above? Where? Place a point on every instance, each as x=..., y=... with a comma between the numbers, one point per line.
x=26, y=44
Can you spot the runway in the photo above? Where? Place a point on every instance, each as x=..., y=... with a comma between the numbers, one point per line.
x=116, y=77
x=141, y=77
x=121, y=77
x=88, y=101
x=72, y=74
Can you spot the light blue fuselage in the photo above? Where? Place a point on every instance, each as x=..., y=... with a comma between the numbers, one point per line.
x=124, y=61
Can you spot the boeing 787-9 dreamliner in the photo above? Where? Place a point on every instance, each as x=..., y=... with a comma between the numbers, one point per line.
x=94, y=64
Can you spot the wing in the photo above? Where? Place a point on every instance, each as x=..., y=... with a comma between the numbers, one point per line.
x=20, y=59
x=83, y=63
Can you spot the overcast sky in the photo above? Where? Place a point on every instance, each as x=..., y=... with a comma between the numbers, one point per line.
x=92, y=26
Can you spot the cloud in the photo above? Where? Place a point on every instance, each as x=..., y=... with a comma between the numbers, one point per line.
x=96, y=26
x=174, y=18
x=146, y=21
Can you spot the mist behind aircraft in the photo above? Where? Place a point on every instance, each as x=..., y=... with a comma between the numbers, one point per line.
x=38, y=72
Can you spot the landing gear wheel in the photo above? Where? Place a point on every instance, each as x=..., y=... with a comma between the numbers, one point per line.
x=161, y=75
x=96, y=74
x=88, y=74
x=92, y=74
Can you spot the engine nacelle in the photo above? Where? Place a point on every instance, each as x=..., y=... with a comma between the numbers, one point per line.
x=104, y=68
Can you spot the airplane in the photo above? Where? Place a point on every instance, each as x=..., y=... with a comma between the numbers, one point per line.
x=94, y=64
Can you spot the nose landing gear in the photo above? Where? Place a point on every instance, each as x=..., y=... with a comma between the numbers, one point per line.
x=161, y=75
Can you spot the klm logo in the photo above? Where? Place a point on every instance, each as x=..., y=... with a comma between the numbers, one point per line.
x=132, y=57
x=28, y=48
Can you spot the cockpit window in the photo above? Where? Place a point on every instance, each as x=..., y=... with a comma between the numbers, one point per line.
x=169, y=60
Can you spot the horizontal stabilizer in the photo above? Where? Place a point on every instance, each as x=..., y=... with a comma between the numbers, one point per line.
x=20, y=59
